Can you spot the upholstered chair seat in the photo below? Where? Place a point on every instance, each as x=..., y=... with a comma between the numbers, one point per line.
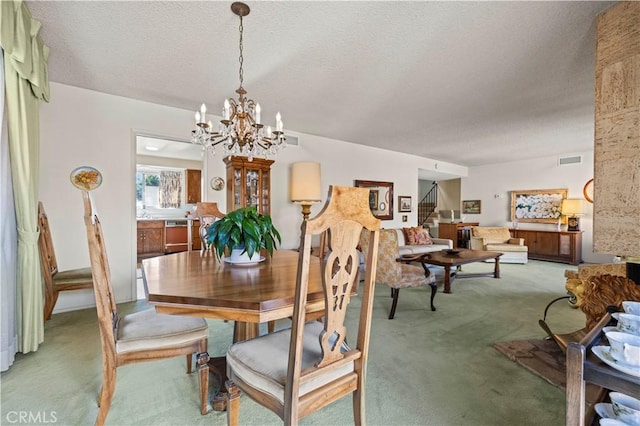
x=149, y=330
x=263, y=362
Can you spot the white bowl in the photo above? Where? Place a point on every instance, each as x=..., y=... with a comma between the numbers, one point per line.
x=628, y=323
x=625, y=347
x=625, y=408
x=631, y=307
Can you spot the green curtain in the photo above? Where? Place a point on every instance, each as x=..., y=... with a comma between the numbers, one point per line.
x=26, y=84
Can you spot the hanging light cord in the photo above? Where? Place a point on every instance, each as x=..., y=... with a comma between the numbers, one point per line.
x=241, y=58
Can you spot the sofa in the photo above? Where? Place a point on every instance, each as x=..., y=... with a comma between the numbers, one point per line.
x=499, y=239
x=405, y=248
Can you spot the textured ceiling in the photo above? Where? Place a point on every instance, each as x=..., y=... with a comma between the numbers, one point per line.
x=465, y=82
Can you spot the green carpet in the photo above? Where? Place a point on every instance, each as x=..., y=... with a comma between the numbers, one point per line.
x=425, y=368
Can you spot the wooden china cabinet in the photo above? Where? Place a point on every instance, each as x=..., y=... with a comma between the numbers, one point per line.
x=248, y=183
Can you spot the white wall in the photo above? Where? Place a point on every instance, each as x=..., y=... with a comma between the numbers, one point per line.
x=449, y=195
x=82, y=127
x=492, y=184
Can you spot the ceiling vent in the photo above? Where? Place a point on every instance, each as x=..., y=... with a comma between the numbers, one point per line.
x=573, y=159
x=292, y=140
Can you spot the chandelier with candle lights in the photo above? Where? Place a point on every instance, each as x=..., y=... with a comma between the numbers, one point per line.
x=240, y=131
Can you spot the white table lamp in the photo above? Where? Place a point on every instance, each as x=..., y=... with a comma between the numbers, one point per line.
x=573, y=208
x=306, y=185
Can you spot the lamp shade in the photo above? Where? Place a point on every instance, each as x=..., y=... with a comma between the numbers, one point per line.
x=306, y=185
x=572, y=207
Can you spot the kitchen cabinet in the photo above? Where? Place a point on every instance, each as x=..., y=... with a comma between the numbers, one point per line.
x=195, y=235
x=193, y=182
x=248, y=183
x=556, y=246
x=150, y=238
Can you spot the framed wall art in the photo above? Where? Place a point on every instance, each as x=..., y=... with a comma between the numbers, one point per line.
x=539, y=205
x=404, y=203
x=471, y=206
x=380, y=198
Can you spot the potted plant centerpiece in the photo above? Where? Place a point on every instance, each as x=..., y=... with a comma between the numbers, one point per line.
x=243, y=233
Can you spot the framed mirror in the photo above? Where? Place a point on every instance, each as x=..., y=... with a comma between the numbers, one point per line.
x=380, y=198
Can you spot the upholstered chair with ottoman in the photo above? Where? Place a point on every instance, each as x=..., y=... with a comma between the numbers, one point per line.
x=499, y=239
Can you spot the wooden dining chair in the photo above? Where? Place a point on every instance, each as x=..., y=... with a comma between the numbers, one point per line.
x=140, y=336
x=56, y=281
x=207, y=213
x=296, y=371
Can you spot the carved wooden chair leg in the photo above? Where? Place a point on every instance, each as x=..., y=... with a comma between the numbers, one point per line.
x=358, y=406
x=189, y=363
x=50, y=303
x=394, y=293
x=434, y=290
x=203, y=380
x=233, y=403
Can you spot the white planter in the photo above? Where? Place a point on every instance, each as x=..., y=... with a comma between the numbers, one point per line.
x=237, y=256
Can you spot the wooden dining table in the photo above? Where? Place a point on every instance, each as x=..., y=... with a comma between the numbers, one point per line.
x=198, y=284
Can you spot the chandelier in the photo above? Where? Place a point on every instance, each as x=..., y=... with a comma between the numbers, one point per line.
x=240, y=131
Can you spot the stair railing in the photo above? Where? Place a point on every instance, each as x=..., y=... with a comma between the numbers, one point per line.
x=428, y=204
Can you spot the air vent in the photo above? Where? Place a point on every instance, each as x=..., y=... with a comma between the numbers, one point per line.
x=292, y=140
x=565, y=161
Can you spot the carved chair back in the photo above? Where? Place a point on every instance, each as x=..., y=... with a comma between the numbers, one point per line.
x=310, y=365
x=207, y=213
x=105, y=299
x=343, y=219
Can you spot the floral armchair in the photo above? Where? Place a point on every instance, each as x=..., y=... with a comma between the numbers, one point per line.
x=395, y=274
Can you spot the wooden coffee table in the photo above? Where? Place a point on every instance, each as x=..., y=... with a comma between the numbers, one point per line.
x=464, y=256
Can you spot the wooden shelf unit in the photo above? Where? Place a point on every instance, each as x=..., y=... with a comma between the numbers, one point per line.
x=456, y=232
x=556, y=246
x=584, y=367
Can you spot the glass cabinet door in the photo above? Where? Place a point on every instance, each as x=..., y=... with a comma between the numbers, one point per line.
x=248, y=183
x=265, y=199
x=252, y=189
x=237, y=188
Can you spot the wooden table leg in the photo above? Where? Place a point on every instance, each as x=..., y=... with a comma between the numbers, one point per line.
x=496, y=269
x=245, y=330
x=218, y=365
x=447, y=279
